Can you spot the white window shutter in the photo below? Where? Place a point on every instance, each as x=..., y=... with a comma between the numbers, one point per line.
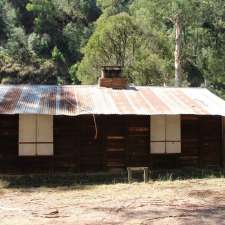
x=158, y=147
x=173, y=134
x=44, y=128
x=35, y=135
x=27, y=135
x=158, y=134
x=27, y=128
x=44, y=135
x=165, y=134
x=173, y=147
x=173, y=128
x=158, y=124
x=44, y=149
x=27, y=149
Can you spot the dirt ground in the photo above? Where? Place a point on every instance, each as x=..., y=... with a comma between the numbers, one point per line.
x=161, y=202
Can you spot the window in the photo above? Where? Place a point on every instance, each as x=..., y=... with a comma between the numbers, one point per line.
x=35, y=135
x=165, y=134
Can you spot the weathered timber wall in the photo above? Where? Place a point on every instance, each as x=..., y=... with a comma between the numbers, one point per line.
x=121, y=141
x=75, y=144
x=138, y=144
x=125, y=141
x=9, y=159
x=8, y=141
x=211, y=141
x=201, y=144
x=190, y=141
x=201, y=141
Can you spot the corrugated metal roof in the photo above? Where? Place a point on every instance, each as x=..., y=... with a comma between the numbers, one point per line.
x=75, y=100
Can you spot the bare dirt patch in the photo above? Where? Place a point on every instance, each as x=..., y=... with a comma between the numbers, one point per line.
x=169, y=202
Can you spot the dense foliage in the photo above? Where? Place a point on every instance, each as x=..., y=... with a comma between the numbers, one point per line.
x=67, y=41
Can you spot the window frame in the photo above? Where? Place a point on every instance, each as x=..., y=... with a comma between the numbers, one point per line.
x=35, y=143
x=166, y=142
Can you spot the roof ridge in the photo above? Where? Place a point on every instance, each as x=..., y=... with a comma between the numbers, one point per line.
x=96, y=85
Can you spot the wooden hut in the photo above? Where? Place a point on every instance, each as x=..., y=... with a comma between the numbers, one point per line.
x=109, y=126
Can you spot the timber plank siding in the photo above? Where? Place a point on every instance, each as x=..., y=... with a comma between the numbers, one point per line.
x=121, y=141
x=190, y=141
x=211, y=141
x=201, y=138
x=8, y=142
x=75, y=145
x=115, y=134
x=138, y=141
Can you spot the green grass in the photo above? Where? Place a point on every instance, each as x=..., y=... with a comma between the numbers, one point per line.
x=188, y=173
x=72, y=179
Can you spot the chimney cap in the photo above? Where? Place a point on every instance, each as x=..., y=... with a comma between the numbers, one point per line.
x=112, y=77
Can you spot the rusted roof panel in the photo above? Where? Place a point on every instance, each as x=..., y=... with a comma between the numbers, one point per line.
x=74, y=100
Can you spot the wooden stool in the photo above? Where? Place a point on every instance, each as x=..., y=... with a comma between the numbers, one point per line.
x=144, y=169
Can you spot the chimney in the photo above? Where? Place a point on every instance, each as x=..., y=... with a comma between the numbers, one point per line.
x=111, y=77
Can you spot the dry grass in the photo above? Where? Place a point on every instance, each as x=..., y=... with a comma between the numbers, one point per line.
x=192, y=201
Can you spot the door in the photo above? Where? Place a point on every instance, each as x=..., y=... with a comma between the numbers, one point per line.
x=138, y=135
x=114, y=136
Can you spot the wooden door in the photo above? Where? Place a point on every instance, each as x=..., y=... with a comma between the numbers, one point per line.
x=114, y=136
x=138, y=136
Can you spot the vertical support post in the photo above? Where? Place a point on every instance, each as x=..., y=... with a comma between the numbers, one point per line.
x=129, y=174
x=145, y=175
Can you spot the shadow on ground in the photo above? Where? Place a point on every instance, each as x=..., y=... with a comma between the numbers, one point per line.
x=211, y=214
x=77, y=180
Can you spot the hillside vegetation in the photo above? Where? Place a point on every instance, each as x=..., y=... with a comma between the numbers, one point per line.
x=156, y=41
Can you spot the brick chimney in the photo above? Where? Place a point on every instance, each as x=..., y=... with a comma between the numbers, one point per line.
x=111, y=77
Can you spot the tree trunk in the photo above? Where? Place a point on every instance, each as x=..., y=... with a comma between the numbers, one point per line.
x=177, y=52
